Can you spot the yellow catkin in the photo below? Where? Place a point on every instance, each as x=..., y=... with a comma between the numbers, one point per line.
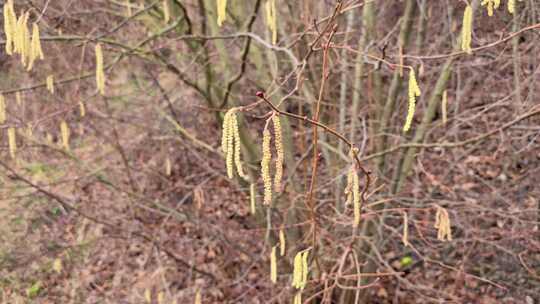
x=129, y=9
x=278, y=140
x=160, y=297
x=64, y=130
x=297, y=271
x=18, y=98
x=10, y=24
x=50, y=83
x=305, y=269
x=356, y=198
x=12, y=142
x=491, y=5
x=35, y=47
x=271, y=19
x=198, y=297
x=221, y=11
x=414, y=91
x=237, y=148
x=265, y=166
x=22, y=38
x=511, y=6
x=466, y=30
x=442, y=223
x=252, y=195
x=2, y=109
x=82, y=109
x=148, y=295
x=444, y=105
x=349, y=188
x=166, y=11
x=282, y=242
x=273, y=265
x=57, y=265
x=405, y=238
x=168, y=166
x=100, y=73
x=298, y=298
x=231, y=144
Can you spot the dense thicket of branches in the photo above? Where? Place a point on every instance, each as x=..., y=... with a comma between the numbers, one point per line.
x=137, y=206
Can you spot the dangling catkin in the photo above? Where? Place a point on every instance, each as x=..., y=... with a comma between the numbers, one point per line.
x=221, y=11
x=443, y=107
x=273, y=265
x=252, y=195
x=168, y=166
x=466, y=30
x=491, y=5
x=282, y=242
x=305, y=268
x=50, y=83
x=198, y=297
x=12, y=142
x=18, y=98
x=297, y=271
x=10, y=25
x=148, y=295
x=166, y=11
x=64, y=130
x=442, y=223
x=356, y=198
x=271, y=19
x=35, y=47
x=298, y=298
x=414, y=91
x=278, y=141
x=405, y=237
x=511, y=6
x=100, y=73
x=349, y=187
x=2, y=109
x=82, y=109
x=231, y=144
x=265, y=166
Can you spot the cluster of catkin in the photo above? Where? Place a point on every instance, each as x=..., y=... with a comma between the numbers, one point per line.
x=231, y=144
x=267, y=158
x=18, y=39
x=442, y=223
x=414, y=91
x=271, y=19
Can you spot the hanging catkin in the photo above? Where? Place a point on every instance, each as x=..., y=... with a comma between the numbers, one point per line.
x=35, y=47
x=221, y=11
x=231, y=144
x=271, y=19
x=82, y=109
x=166, y=11
x=491, y=5
x=444, y=105
x=273, y=265
x=282, y=242
x=2, y=109
x=265, y=166
x=50, y=83
x=100, y=73
x=414, y=91
x=405, y=238
x=278, y=140
x=198, y=297
x=10, y=26
x=466, y=30
x=442, y=223
x=64, y=130
x=252, y=194
x=12, y=142
x=511, y=6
